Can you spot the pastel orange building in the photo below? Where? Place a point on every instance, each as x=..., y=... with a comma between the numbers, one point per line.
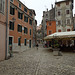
x=20, y=26
x=51, y=27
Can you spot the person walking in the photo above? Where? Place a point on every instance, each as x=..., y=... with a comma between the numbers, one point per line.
x=37, y=46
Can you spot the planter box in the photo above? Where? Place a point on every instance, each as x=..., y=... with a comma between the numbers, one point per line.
x=56, y=51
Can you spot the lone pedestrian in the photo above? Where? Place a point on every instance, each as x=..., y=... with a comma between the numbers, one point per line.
x=37, y=46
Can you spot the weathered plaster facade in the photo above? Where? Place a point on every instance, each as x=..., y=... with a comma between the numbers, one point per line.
x=64, y=15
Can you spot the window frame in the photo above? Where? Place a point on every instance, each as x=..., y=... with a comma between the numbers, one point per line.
x=19, y=41
x=59, y=22
x=20, y=5
x=25, y=18
x=25, y=42
x=59, y=13
x=20, y=15
x=19, y=29
x=30, y=13
x=30, y=32
x=12, y=0
x=30, y=21
x=59, y=30
x=2, y=6
x=68, y=21
x=67, y=11
x=12, y=25
x=12, y=10
x=25, y=9
x=25, y=30
x=50, y=24
x=67, y=3
x=50, y=32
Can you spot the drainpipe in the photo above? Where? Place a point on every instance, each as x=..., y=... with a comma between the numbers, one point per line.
x=6, y=30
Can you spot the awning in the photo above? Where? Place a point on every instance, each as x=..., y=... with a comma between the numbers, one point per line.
x=61, y=35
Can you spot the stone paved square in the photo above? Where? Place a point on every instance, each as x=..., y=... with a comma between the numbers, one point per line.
x=38, y=62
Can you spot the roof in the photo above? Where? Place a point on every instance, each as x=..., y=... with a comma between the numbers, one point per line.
x=70, y=34
x=63, y=1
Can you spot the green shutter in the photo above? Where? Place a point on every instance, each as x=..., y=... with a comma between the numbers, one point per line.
x=13, y=26
x=25, y=42
x=13, y=11
x=30, y=31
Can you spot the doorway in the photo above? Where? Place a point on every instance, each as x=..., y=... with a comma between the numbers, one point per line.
x=30, y=43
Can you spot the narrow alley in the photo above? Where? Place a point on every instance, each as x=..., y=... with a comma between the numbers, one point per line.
x=38, y=62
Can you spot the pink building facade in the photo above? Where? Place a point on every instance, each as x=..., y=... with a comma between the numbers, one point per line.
x=2, y=29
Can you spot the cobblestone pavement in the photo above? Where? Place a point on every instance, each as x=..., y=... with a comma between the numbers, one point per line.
x=39, y=62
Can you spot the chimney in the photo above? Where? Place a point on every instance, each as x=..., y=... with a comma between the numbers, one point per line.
x=52, y=6
x=47, y=9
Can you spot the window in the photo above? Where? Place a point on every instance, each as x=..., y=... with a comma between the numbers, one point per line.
x=25, y=42
x=11, y=25
x=68, y=29
x=58, y=13
x=46, y=14
x=59, y=30
x=49, y=24
x=67, y=11
x=59, y=5
x=67, y=3
x=19, y=5
x=12, y=10
x=68, y=21
x=20, y=15
x=19, y=28
x=25, y=30
x=19, y=41
x=50, y=32
x=30, y=31
x=25, y=9
x=2, y=5
x=11, y=0
x=30, y=21
x=25, y=18
x=59, y=23
x=30, y=13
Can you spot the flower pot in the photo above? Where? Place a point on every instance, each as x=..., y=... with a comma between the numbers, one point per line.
x=56, y=51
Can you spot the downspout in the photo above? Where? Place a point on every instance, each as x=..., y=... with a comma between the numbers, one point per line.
x=6, y=30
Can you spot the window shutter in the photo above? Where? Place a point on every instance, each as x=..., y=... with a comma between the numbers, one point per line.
x=24, y=29
x=13, y=26
x=10, y=25
x=18, y=28
x=13, y=11
x=21, y=15
x=18, y=15
x=21, y=28
x=10, y=10
x=27, y=30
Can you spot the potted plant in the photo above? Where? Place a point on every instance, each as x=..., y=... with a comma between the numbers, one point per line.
x=56, y=49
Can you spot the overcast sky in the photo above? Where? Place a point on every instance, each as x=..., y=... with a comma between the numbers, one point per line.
x=39, y=6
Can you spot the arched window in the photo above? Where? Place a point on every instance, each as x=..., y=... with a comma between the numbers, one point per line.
x=2, y=5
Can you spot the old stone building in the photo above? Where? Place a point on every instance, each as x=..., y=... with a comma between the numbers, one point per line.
x=34, y=33
x=74, y=22
x=64, y=15
x=39, y=34
x=47, y=16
